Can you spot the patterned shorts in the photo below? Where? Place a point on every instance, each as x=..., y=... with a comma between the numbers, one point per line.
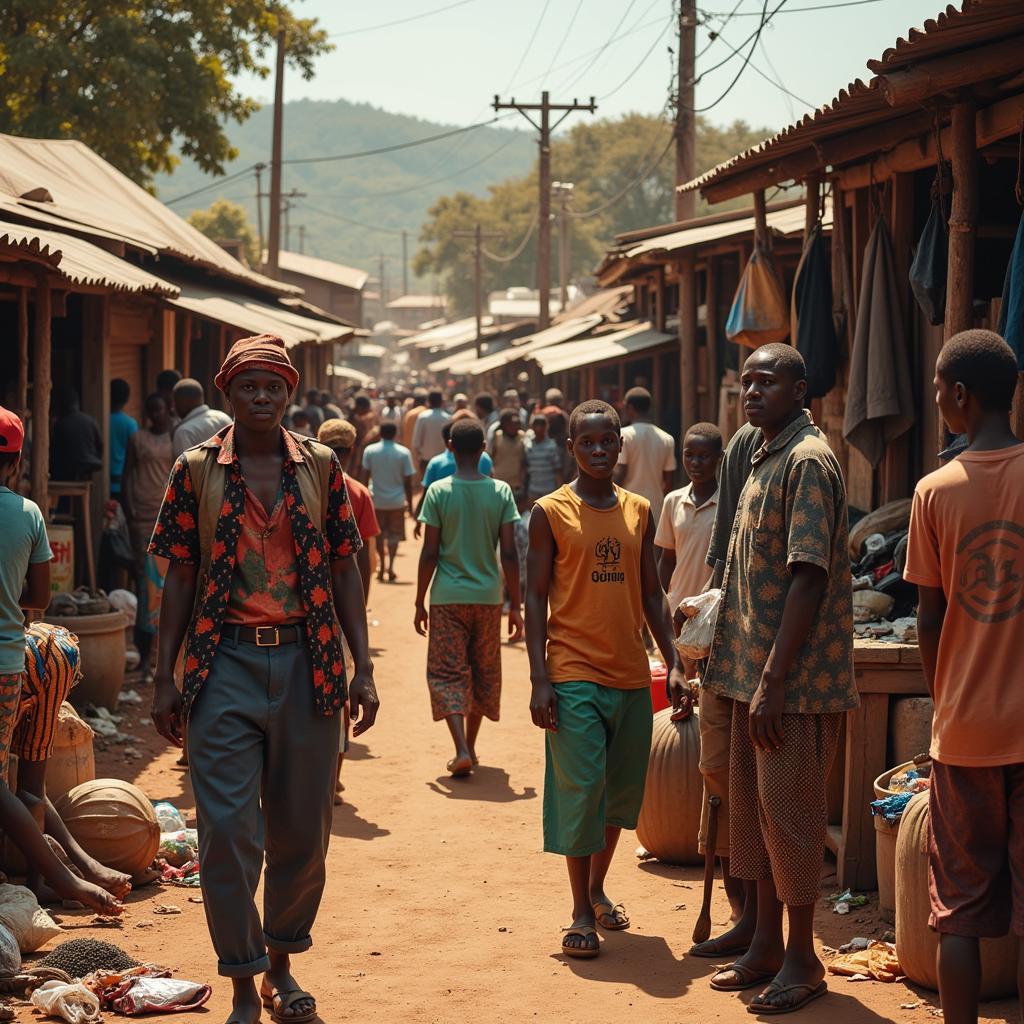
x=392, y=523
x=10, y=698
x=464, y=660
x=778, y=807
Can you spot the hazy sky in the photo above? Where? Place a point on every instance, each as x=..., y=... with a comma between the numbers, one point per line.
x=447, y=65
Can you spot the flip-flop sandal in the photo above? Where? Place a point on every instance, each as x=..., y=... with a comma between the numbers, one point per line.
x=606, y=914
x=711, y=950
x=460, y=767
x=584, y=931
x=767, y=1009
x=747, y=977
x=277, y=1001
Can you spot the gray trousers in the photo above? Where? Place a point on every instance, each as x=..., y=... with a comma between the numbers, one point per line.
x=263, y=765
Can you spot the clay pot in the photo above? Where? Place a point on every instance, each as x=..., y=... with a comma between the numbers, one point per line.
x=670, y=816
x=101, y=640
x=916, y=943
x=114, y=822
x=72, y=762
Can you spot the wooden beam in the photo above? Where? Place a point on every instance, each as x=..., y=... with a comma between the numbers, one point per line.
x=711, y=332
x=795, y=168
x=962, y=220
x=761, y=236
x=22, y=398
x=928, y=78
x=42, y=384
x=812, y=202
x=841, y=149
x=687, y=340
x=186, y=346
x=659, y=320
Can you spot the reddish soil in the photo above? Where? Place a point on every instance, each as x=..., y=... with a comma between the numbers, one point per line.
x=441, y=906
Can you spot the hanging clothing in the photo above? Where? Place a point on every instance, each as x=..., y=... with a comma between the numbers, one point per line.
x=930, y=266
x=880, y=402
x=1011, y=314
x=759, y=313
x=813, y=328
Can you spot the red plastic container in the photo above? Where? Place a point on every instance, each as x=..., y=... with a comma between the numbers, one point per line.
x=659, y=680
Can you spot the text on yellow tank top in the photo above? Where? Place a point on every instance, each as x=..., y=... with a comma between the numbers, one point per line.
x=595, y=608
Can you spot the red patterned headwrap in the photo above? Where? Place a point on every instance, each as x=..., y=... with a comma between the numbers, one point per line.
x=262, y=352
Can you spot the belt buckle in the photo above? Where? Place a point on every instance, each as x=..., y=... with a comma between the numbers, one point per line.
x=260, y=642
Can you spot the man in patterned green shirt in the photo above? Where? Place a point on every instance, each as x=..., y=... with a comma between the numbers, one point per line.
x=783, y=652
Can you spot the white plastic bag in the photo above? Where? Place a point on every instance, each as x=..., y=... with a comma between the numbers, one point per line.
x=159, y=995
x=697, y=633
x=75, y=1003
x=10, y=954
x=30, y=925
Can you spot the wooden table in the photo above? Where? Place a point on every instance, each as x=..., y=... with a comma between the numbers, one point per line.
x=883, y=670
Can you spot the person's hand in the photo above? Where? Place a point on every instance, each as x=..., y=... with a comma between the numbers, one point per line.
x=678, y=687
x=166, y=710
x=420, y=620
x=417, y=530
x=679, y=620
x=766, y=713
x=544, y=706
x=515, y=625
x=363, y=702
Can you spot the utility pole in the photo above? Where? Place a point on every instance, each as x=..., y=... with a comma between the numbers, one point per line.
x=478, y=235
x=383, y=290
x=686, y=121
x=405, y=262
x=302, y=238
x=545, y=107
x=260, y=168
x=274, y=242
x=563, y=192
x=286, y=207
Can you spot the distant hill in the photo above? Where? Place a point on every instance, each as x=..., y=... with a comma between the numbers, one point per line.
x=391, y=191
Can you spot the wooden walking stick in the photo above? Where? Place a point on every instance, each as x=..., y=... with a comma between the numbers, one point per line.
x=702, y=929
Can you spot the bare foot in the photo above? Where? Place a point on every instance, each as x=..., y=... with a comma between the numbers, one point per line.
x=92, y=896
x=460, y=765
x=117, y=883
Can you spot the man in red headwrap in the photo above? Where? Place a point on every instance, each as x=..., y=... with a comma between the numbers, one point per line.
x=260, y=534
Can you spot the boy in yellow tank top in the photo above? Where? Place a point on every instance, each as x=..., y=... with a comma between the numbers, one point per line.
x=592, y=583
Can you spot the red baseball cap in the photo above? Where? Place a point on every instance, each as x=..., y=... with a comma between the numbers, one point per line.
x=12, y=432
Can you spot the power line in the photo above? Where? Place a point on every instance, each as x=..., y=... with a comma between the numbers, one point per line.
x=529, y=45
x=568, y=29
x=778, y=80
x=755, y=35
x=349, y=220
x=518, y=249
x=746, y=60
x=400, y=21
x=217, y=183
x=643, y=60
x=625, y=14
x=712, y=33
x=798, y=10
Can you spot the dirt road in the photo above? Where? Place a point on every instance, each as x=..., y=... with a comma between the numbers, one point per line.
x=440, y=904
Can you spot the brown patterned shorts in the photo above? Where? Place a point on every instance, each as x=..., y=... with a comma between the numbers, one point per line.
x=779, y=811
x=976, y=850
x=392, y=523
x=464, y=660
x=10, y=698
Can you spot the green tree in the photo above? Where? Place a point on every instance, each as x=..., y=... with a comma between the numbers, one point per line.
x=623, y=176
x=134, y=78
x=227, y=221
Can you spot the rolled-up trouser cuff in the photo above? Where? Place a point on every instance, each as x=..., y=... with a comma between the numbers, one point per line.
x=286, y=946
x=249, y=970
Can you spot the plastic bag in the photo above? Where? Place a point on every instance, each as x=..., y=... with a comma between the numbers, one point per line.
x=168, y=816
x=176, y=849
x=159, y=995
x=10, y=953
x=760, y=312
x=75, y=1003
x=878, y=961
x=697, y=633
x=30, y=925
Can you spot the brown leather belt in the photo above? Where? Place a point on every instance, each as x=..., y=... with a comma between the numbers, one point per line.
x=265, y=636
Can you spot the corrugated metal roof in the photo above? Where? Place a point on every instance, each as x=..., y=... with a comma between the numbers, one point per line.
x=322, y=270
x=80, y=262
x=860, y=104
x=418, y=302
x=258, y=317
x=446, y=336
x=523, y=348
x=569, y=356
x=66, y=180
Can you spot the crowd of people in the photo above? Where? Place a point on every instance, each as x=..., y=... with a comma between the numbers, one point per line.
x=252, y=560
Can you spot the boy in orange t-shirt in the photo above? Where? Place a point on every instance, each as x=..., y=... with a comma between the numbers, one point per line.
x=966, y=555
x=591, y=584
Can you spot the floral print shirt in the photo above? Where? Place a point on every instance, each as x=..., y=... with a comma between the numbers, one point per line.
x=176, y=537
x=792, y=509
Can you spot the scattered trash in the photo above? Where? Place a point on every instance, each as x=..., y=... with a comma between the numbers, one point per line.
x=855, y=944
x=74, y=1002
x=909, y=1006
x=128, y=697
x=502, y=929
x=877, y=960
x=679, y=906
x=168, y=816
x=101, y=921
x=643, y=854
x=149, y=994
x=844, y=902
x=858, y=977
x=166, y=908
x=914, y=780
x=195, y=899
x=891, y=808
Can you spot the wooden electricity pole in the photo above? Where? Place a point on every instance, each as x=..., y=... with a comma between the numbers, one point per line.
x=260, y=168
x=545, y=107
x=563, y=191
x=479, y=236
x=686, y=121
x=274, y=241
x=405, y=262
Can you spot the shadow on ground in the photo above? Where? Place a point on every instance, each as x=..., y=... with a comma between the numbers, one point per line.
x=491, y=785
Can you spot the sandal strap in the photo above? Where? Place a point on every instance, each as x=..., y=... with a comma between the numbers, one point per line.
x=584, y=931
x=286, y=1000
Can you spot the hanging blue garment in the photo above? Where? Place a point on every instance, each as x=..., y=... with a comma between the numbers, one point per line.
x=929, y=269
x=1011, y=313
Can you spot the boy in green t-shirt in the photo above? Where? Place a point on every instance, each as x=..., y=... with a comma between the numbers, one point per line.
x=466, y=517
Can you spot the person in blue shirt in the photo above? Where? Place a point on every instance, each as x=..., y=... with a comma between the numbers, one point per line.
x=390, y=470
x=122, y=426
x=442, y=466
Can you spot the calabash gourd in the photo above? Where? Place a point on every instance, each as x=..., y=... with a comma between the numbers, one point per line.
x=916, y=943
x=670, y=816
x=72, y=761
x=114, y=822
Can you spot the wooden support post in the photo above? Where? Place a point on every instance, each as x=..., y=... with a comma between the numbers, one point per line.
x=42, y=385
x=811, y=202
x=760, y=221
x=687, y=340
x=711, y=334
x=186, y=346
x=962, y=220
x=22, y=352
x=96, y=398
x=659, y=315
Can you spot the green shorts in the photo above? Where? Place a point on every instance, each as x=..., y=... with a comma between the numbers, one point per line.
x=596, y=765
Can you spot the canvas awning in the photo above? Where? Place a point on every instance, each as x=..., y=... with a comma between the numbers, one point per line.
x=573, y=354
x=446, y=336
x=348, y=373
x=252, y=315
x=80, y=262
x=523, y=348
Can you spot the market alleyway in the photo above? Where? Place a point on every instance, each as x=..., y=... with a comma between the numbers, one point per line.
x=440, y=905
